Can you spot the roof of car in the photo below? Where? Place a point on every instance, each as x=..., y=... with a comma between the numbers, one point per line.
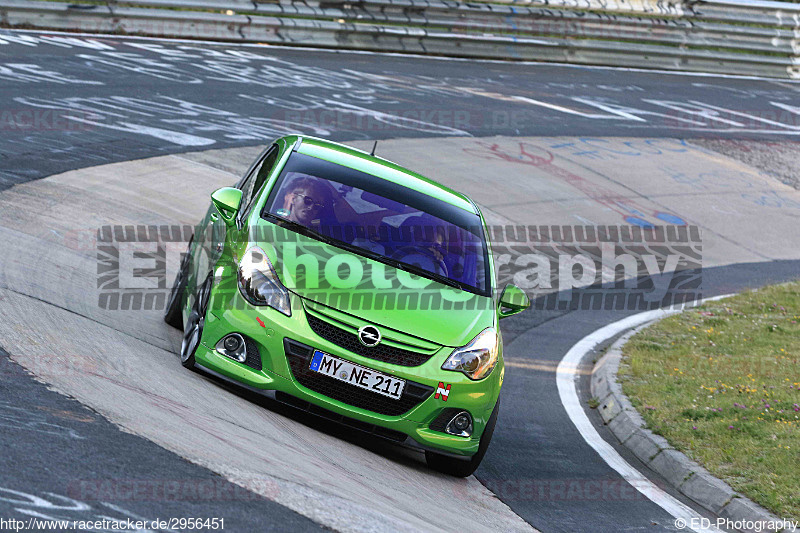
x=377, y=166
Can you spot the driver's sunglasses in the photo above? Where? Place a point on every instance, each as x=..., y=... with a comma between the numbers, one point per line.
x=310, y=202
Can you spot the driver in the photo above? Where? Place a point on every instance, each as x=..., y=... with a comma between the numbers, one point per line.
x=305, y=199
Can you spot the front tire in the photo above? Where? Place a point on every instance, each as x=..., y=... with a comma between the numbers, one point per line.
x=193, y=330
x=173, y=315
x=460, y=467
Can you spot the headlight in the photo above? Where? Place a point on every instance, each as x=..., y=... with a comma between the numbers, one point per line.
x=259, y=283
x=478, y=358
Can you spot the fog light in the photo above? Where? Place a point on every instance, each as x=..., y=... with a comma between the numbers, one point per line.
x=460, y=425
x=461, y=422
x=233, y=346
x=232, y=343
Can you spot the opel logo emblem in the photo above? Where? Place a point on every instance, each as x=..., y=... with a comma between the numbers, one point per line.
x=369, y=336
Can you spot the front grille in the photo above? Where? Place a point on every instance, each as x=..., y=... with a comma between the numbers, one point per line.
x=389, y=434
x=299, y=357
x=349, y=341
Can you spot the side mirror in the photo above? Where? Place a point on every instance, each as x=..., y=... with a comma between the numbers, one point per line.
x=227, y=200
x=512, y=301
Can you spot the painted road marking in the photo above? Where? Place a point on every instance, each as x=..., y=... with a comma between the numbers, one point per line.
x=566, y=378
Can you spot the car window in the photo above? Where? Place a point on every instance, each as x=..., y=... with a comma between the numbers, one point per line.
x=379, y=218
x=246, y=185
x=255, y=181
x=248, y=178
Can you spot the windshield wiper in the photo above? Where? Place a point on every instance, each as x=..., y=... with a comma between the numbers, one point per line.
x=419, y=271
x=300, y=228
x=404, y=266
x=305, y=230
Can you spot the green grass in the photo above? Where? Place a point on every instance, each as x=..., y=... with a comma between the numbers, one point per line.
x=722, y=384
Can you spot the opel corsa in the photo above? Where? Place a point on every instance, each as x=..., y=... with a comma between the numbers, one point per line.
x=344, y=284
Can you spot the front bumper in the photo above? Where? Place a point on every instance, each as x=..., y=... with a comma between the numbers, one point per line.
x=268, y=329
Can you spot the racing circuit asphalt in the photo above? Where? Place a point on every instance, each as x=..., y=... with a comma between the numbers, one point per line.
x=68, y=106
x=72, y=102
x=64, y=461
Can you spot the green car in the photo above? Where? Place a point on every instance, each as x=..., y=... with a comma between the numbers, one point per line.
x=348, y=286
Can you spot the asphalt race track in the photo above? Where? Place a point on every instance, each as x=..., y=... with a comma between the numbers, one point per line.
x=71, y=102
x=59, y=456
x=103, y=131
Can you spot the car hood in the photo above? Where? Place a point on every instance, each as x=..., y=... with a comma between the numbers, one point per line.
x=351, y=285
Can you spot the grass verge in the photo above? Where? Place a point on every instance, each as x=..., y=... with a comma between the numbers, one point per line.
x=722, y=384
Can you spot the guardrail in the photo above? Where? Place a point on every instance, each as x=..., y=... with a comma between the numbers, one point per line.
x=726, y=36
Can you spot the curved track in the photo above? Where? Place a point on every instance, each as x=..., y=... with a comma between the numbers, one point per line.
x=74, y=101
x=122, y=363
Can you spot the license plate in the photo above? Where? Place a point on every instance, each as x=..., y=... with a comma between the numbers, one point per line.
x=357, y=375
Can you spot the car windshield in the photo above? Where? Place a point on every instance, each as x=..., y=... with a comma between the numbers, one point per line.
x=381, y=220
